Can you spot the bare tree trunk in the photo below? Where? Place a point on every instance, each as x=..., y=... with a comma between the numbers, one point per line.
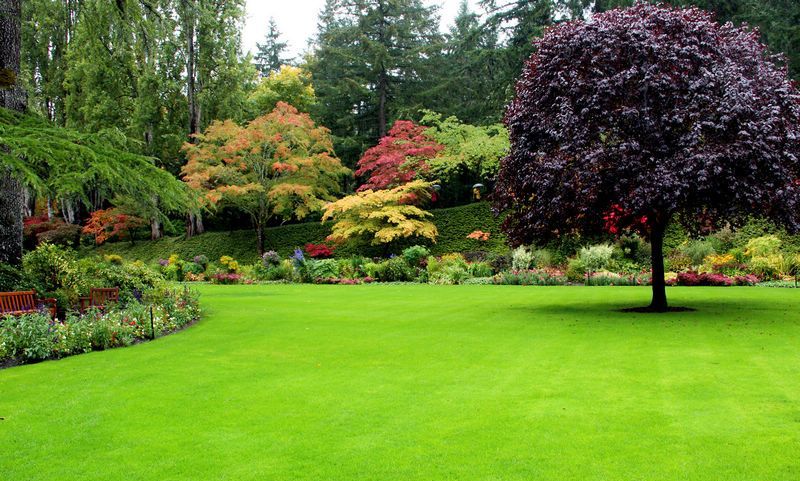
x=12, y=97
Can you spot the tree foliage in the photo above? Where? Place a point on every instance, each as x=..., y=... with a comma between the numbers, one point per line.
x=471, y=153
x=270, y=55
x=398, y=158
x=108, y=224
x=291, y=85
x=660, y=112
x=371, y=64
x=88, y=168
x=280, y=165
x=383, y=216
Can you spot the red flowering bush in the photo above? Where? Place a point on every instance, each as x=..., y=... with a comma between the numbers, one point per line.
x=319, y=251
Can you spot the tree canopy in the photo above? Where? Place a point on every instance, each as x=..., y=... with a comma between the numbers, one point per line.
x=279, y=165
x=658, y=112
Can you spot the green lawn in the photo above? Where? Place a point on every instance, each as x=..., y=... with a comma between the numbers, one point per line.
x=415, y=382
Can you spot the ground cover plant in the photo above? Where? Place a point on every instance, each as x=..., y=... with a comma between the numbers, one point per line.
x=421, y=382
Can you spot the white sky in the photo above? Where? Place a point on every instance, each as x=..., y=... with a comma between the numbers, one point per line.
x=297, y=20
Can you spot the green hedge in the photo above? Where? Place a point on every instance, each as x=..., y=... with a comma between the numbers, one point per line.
x=454, y=225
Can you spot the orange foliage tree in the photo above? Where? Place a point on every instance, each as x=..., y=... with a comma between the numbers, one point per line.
x=112, y=224
x=280, y=165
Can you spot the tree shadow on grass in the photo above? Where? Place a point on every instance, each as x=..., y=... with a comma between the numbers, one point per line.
x=723, y=308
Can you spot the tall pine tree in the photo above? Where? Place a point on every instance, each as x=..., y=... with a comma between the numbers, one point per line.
x=270, y=55
x=371, y=64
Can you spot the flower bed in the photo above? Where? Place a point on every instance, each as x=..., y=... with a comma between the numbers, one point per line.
x=37, y=337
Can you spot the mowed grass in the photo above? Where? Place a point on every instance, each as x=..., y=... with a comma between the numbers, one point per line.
x=415, y=382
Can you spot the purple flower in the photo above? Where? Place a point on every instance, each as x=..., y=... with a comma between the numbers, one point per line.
x=163, y=262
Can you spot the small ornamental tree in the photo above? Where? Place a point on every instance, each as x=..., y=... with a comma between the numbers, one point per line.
x=398, y=158
x=383, y=216
x=111, y=224
x=646, y=116
x=280, y=165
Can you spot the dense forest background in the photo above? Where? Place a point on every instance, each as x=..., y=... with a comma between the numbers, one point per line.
x=160, y=71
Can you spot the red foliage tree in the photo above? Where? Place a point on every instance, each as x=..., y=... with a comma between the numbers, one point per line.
x=111, y=223
x=398, y=158
x=644, y=116
x=319, y=251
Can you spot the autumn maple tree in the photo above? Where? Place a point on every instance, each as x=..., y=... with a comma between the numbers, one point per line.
x=646, y=116
x=383, y=216
x=398, y=158
x=280, y=165
x=114, y=223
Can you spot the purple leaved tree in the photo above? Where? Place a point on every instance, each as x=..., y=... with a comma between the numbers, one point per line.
x=658, y=113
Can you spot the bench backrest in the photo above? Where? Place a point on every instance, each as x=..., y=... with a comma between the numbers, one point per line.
x=100, y=296
x=16, y=302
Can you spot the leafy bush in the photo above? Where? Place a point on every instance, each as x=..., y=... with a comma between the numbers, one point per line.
x=764, y=246
x=10, y=277
x=480, y=269
x=27, y=337
x=67, y=235
x=322, y=268
x=605, y=278
x=392, y=270
x=768, y=267
x=596, y=257
x=576, y=270
x=414, y=255
x=521, y=258
x=270, y=259
x=532, y=277
x=697, y=251
x=201, y=260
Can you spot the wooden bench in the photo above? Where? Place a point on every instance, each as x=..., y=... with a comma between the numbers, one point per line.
x=99, y=297
x=25, y=302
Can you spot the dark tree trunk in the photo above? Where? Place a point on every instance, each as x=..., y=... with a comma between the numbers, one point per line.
x=191, y=68
x=659, y=302
x=12, y=97
x=382, y=94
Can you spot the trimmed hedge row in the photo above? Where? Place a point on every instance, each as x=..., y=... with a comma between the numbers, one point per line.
x=454, y=225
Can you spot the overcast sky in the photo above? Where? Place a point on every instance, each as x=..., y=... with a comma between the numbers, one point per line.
x=297, y=20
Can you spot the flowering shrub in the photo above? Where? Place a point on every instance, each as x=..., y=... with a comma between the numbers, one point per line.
x=226, y=278
x=343, y=281
x=706, y=279
x=479, y=235
x=270, y=259
x=319, y=251
x=35, y=337
x=201, y=260
x=228, y=262
x=605, y=278
x=532, y=277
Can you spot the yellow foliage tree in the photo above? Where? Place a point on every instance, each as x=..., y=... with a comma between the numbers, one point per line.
x=383, y=216
x=280, y=165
